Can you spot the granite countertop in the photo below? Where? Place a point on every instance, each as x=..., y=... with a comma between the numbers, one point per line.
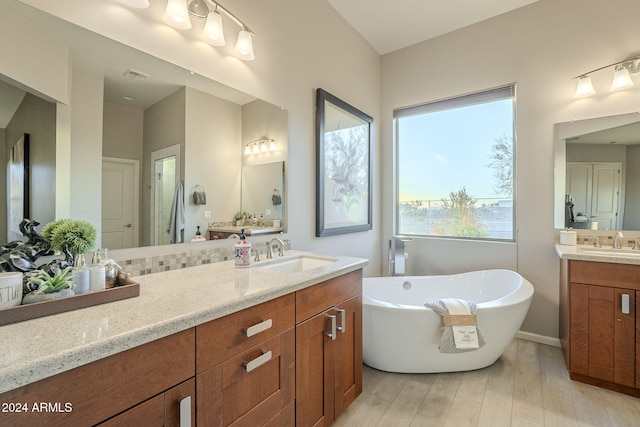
x=603, y=254
x=169, y=302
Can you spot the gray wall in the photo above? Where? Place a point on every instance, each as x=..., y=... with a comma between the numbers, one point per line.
x=37, y=118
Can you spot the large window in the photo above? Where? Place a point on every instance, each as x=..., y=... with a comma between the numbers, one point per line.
x=456, y=168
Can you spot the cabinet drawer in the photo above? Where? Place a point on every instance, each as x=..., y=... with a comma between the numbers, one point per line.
x=318, y=298
x=162, y=410
x=122, y=381
x=231, y=393
x=605, y=274
x=222, y=338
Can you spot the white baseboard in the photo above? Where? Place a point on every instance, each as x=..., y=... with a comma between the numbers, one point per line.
x=541, y=339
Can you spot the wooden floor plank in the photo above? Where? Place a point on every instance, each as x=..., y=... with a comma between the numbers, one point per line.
x=528, y=386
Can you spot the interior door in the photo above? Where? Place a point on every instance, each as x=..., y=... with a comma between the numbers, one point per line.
x=119, y=203
x=595, y=188
x=605, y=195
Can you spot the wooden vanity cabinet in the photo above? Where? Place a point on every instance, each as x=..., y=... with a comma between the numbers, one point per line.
x=273, y=365
x=599, y=327
x=328, y=349
x=92, y=393
x=245, y=363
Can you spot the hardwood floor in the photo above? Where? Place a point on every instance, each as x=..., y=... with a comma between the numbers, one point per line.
x=528, y=386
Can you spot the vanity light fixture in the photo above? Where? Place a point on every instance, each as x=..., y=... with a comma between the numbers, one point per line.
x=262, y=145
x=178, y=12
x=621, y=77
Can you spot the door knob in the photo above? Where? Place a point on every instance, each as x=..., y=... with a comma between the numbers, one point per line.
x=127, y=225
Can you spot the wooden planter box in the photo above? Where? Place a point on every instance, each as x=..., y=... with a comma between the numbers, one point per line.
x=128, y=289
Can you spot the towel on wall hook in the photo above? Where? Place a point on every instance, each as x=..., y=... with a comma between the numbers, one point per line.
x=199, y=196
x=276, y=198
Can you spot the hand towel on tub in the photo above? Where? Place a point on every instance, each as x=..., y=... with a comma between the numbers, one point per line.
x=457, y=338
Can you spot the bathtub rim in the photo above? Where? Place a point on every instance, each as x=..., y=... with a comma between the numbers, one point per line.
x=523, y=292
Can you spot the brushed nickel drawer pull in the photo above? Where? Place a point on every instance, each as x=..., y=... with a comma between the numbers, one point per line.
x=333, y=334
x=257, y=362
x=260, y=327
x=343, y=320
x=185, y=412
x=625, y=303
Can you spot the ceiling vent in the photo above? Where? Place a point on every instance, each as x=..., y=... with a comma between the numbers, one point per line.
x=135, y=74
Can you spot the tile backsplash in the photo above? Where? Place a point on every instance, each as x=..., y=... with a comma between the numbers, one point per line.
x=141, y=261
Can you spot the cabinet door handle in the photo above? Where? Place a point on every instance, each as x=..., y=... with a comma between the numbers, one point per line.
x=625, y=303
x=260, y=327
x=333, y=334
x=257, y=362
x=343, y=320
x=185, y=412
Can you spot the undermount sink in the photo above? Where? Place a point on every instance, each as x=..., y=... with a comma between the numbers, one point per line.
x=297, y=264
x=610, y=252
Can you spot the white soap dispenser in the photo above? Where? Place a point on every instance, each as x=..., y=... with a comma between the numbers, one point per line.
x=243, y=251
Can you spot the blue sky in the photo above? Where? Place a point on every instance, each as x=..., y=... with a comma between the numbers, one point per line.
x=444, y=151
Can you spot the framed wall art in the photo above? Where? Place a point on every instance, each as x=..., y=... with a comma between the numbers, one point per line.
x=343, y=167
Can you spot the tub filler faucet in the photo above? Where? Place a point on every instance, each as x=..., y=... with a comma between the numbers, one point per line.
x=397, y=256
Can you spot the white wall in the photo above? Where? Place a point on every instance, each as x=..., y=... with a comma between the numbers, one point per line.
x=540, y=47
x=31, y=58
x=85, y=187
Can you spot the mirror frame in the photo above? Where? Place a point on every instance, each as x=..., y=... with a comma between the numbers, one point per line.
x=323, y=227
x=567, y=130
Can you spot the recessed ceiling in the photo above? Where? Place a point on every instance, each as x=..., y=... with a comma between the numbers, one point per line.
x=392, y=25
x=621, y=135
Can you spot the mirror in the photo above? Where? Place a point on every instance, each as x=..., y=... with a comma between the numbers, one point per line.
x=150, y=105
x=597, y=164
x=263, y=190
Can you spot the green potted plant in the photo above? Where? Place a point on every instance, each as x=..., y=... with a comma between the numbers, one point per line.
x=239, y=218
x=73, y=237
x=60, y=285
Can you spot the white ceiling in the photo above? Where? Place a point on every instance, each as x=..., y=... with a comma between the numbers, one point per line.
x=396, y=24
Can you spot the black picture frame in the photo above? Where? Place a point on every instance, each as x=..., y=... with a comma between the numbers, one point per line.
x=343, y=167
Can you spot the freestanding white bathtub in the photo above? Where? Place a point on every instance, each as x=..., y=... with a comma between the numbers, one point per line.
x=401, y=335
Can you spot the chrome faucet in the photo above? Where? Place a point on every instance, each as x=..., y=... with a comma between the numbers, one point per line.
x=280, y=244
x=616, y=240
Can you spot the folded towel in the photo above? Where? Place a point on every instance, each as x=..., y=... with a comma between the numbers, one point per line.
x=177, y=218
x=460, y=332
x=199, y=197
x=464, y=335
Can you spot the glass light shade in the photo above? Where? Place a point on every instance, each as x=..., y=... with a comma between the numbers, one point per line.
x=263, y=147
x=621, y=80
x=138, y=4
x=177, y=14
x=256, y=149
x=585, y=87
x=213, y=29
x=244, y=46
x=272, y=146
x=247, y=150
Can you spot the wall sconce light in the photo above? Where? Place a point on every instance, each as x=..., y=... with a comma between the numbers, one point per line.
x=178, y=12
x=262, y=145
x=621, y=77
